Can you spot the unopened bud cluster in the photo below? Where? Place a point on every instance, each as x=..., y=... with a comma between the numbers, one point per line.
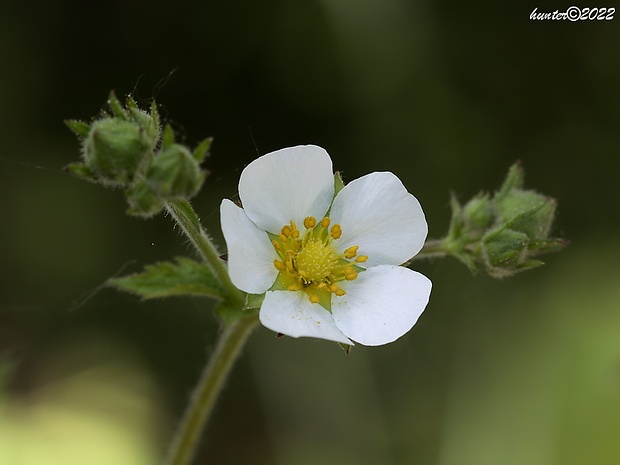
x=502, y=234
x=127, y=148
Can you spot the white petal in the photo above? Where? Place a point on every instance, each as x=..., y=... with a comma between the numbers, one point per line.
x=292, y=313
x=288, y=184
x=378, y=214
x=250, y=252
x=381, y=305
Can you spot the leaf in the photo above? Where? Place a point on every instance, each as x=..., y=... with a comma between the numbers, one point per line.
x=167, y=279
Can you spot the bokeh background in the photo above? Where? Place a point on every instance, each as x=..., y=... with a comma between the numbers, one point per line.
x=447, y=95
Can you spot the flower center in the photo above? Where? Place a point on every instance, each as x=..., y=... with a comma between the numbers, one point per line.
x=310, y=263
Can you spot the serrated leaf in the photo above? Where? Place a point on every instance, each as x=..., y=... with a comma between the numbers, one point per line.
x=167, y=279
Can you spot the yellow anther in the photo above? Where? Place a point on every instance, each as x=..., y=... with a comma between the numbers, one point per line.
x=325, y=222
x=336, y=231
x=361, y=259
x=351, y=251
x=340, y=292
x=303, y=274
x=349, y=273
x=295, y=233
x=282, y=237
x=310, y=222
x=314, y=298
x=276, y=245
x=321, y=285
x=293, y=225
x=286, y=231
x=334, y=288
x=289, y=266
x=293, y=287
x=278, y=264
x=290, y=253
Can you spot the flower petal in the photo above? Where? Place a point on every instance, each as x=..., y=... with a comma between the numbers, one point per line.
x=381, y=305
x=250, y=252
x=378, y=214
x=288, y=184
x=292, y=313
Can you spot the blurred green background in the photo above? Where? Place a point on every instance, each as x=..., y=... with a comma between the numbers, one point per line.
x=445, y=94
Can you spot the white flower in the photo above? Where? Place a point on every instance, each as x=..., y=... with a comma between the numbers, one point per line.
x=328, y=266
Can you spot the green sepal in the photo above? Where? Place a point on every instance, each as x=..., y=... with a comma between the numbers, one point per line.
x=253, y=301
x=230, y=313
x=116, y=107
x=202, y=150
x=81, y=171
x=346, y=347
x=168, y=137
x=338, y=183
x=167, y=279
x=79, y=128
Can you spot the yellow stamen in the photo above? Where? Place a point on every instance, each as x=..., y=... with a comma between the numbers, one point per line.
x=336, y=231
x=351, y=251
x=350, y=274
x=310, y=222
x=309, y=262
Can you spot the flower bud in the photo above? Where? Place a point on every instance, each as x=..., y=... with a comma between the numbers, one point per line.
x=500, y=235
x=117, y=147
x=174, y=173
x=478, y=213
x=143, y=200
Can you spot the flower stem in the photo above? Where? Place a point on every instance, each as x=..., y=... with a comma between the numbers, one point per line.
x=187, y=437
x=186, y=217
x=434, y=248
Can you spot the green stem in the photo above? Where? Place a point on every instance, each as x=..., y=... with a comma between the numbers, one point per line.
x=433, y=249
x=205, y=394
x=186, y=217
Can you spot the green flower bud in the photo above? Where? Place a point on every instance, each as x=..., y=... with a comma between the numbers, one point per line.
x=478, y=213
x=174, y=173
x=143, y=200
x=527, y=211
x=116, y=148
x=503, y=251
x=500, y=235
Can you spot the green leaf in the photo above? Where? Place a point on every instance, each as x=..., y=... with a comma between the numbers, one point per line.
x=166, y=279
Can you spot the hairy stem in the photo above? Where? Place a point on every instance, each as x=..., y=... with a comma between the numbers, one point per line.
x=187, y=439
x=433, y=249
x=183, y=213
